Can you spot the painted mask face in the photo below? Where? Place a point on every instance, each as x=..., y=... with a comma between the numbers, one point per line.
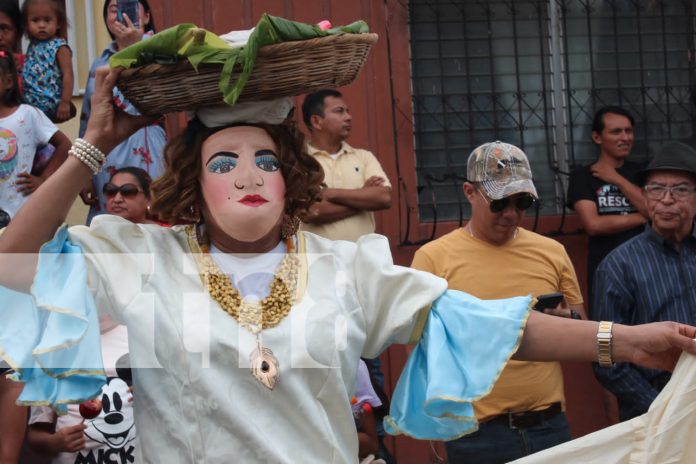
x=242, y=184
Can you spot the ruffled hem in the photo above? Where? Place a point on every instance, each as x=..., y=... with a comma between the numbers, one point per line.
x=54, y=347
x=465, y=345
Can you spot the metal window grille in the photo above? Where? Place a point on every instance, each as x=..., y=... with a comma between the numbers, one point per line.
x=533, y=73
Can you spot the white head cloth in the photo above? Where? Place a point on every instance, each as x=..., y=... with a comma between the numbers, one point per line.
x=267, y=111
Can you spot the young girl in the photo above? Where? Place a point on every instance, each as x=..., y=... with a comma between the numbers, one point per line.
x=22, y=129
x=47, y=71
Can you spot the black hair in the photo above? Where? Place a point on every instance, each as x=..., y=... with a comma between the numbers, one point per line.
x=314, y=104
x=11, y=9
x=12, y=97
x=149, y=27
x=598, y=120
x=140, y=175
x=58, y=9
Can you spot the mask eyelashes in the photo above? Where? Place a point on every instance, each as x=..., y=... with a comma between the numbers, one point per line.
x=222, y=165
x=268, y=163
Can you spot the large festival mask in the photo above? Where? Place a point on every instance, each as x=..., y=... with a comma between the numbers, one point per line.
x=241, y=182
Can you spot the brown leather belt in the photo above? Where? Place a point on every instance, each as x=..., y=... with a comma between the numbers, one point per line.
x=521, y=420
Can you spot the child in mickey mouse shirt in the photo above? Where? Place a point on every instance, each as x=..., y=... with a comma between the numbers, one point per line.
x=109, y=437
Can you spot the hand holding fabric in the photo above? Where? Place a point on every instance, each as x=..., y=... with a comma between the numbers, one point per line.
x=657, y=345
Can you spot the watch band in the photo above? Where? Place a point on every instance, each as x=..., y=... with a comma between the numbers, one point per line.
x=604, y=344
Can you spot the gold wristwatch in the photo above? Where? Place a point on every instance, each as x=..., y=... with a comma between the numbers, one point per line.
x=604, y=344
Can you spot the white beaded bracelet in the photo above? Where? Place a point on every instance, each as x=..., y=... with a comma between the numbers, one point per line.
x=90, y=150
x=90, y=163
x=88, y=154
x=83, y=156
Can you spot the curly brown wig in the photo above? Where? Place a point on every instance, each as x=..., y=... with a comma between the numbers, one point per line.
x=177, y=196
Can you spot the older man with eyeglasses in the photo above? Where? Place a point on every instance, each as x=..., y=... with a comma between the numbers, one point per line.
x=652, y=277
x=493, y=257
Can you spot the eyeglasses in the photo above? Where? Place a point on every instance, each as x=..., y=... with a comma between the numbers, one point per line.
x=522, y=203
x=678, y=192
x=127, y=190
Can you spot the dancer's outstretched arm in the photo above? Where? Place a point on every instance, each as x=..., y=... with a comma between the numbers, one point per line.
x=47, y=208
x=657, y=345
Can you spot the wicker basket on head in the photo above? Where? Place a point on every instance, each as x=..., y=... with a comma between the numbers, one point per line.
x=284, y=69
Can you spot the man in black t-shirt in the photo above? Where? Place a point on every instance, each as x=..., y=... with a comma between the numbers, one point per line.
x=610, y=206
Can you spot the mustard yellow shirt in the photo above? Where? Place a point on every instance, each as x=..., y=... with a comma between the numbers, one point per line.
x=528, y=264
x=351, y=168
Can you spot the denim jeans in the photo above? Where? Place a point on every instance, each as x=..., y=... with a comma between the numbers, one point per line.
x=495, y=443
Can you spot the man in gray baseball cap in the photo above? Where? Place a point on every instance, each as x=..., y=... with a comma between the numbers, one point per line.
x=493, y=257
x=498, y=175
x=651, y=277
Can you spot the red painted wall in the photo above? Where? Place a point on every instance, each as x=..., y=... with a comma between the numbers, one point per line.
x=380, y=101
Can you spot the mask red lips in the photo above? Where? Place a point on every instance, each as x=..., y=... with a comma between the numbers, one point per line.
x=253, y=200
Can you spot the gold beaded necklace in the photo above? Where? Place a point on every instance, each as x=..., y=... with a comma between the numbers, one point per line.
x=255, y=316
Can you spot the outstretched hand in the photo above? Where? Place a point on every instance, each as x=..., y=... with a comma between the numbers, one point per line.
x=108, y=125
x=657, y=345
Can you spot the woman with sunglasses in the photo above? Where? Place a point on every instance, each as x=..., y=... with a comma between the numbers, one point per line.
x=255, y=330
x=127, y=194
x=145, y=147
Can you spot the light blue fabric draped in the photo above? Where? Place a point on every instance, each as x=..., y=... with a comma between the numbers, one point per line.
x=51, y=336
x=465, y=345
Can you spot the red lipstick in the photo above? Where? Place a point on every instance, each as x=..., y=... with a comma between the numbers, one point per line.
x=253, y=200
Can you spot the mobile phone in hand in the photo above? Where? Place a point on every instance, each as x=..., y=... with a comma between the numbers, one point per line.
x=548, y=301
x=130, y=8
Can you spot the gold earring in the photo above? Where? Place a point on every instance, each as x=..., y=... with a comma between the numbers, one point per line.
x=289, y=226
x=195, y=215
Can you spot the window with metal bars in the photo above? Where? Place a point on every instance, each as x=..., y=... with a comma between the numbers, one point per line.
x=533, y=73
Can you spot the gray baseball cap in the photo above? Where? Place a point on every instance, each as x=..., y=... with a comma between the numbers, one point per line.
x=501, y=169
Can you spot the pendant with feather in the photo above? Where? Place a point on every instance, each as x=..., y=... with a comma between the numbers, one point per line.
x=264, y=366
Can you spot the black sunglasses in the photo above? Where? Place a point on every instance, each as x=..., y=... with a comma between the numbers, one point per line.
x=127, y=190
x=522, y=203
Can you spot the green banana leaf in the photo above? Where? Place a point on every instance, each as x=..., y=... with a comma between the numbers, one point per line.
x=196, y=45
